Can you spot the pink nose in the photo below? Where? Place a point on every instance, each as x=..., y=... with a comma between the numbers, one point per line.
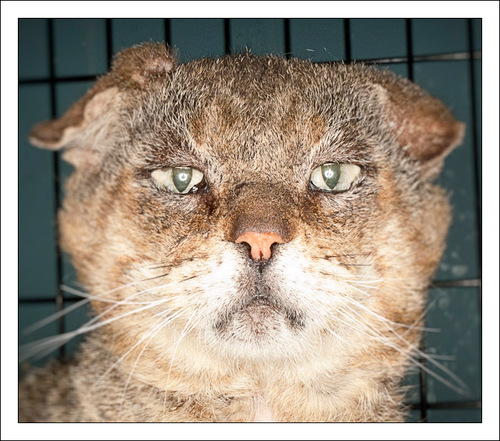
x=260, y=243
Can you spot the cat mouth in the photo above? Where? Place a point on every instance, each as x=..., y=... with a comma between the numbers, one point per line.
x=257, y=316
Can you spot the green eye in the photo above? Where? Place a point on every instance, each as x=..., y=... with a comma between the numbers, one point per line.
x=330, y=174
x=334, y=177
x=181, y=177
x=180, y=180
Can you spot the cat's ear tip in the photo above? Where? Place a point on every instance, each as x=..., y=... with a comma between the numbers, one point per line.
x=143, y=63
x=45, y=135
x=423, y=126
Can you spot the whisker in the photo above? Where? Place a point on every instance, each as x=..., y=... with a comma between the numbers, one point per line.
x=82, y=294
x=340, y=256
x=29, y=350
x=463, y=387
x=381, y=318
x=337, y=336
x=163, y=323
x=153, y=333
x=460, y=386
x=421, y=317
x=355, y=288
x=366, y=282
x=442, y=357
x=42, y=347
x=126, y=301
x=47, y=320
x=184, y=332
x=87, y=297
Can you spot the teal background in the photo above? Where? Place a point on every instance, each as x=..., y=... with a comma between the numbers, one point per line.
x=81, y=49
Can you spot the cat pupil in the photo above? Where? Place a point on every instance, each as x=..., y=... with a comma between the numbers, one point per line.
x=181, y=178
x=331, y=174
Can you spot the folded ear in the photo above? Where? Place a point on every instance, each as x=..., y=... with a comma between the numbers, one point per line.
x=86, y=128
x=423, y=126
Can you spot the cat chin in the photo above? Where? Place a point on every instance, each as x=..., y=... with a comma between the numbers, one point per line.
x=261, y=330
x=273, y=347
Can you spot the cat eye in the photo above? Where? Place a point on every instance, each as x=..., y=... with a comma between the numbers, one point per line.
x=334, y=177
x=180, y=180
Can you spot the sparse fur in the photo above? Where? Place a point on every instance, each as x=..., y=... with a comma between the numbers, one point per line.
x=176, y=337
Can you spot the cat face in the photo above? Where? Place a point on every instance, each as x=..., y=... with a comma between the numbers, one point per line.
x=253, y=209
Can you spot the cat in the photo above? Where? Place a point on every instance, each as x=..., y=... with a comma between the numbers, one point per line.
x=257, y=236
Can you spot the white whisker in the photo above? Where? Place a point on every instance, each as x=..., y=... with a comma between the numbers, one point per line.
x=184, y=332
x=53, y=317
x=459, y=387
x=152, y=334
x=30, y=349
x=355, y=288
x=163, y=323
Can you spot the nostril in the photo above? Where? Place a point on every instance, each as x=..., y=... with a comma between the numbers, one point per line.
x=260, y=243
x=247, y=246
x=274, y=245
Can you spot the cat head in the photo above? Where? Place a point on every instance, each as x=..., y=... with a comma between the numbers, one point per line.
x=250, y=208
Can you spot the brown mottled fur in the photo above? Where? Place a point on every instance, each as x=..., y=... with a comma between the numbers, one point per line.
x=344, y=292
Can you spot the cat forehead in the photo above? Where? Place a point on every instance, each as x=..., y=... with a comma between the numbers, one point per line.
x=264, y=102
x=220, y=135
x=265, y=83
